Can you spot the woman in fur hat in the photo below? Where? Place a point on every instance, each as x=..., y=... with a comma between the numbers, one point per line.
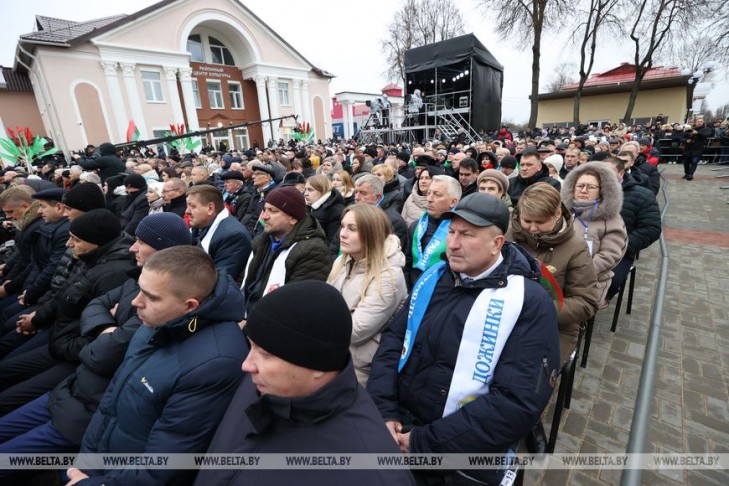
x=594, y=197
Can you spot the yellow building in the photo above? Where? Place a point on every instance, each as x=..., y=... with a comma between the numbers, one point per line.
x=605, y=98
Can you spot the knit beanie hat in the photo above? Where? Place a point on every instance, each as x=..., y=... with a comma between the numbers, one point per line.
x=98, y=226
x=316, y=337
x=508, y=161
x=163, y=230
x=156, y=186
x=136, y=181
x=84, y=197
x=289, y=200
x=495, y=175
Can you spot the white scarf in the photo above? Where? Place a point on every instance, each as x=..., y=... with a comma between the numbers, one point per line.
x=317, y=204
x=487, y=328
x=205, y=243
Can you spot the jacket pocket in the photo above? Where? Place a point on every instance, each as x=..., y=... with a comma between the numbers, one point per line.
x=542, y=375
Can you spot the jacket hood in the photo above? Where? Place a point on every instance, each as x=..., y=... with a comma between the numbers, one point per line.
x=562, y=232
x=225, y=304
x=611, y=192
x=107, y=149
x=30, y=215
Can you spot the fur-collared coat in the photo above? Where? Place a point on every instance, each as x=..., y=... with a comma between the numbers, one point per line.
x=606, y=229
x=566, y=255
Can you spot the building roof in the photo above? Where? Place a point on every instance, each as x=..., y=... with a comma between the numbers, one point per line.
x=62, y=32
x=11, y=80
x=619, y=80
x=67, y=33
x=625, y=73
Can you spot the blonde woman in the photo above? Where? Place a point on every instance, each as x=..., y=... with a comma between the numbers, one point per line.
x=325, y=204
x=342, y=182
x=369, y=275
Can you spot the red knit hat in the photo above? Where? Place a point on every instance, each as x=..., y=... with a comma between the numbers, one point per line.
x=289, y=200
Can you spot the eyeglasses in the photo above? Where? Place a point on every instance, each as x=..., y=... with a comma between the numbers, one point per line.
x=589, y=187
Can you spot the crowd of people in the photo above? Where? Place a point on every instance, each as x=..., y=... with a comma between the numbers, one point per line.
x=310, y=298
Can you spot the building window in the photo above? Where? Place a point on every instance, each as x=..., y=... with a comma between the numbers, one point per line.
x=221, y=142
x=195, y=48
x=215, y=95
x=196, y=94
x=236, y=95
x=219, y=53
x=283, y=93
x=241, y=138
x=152, y=87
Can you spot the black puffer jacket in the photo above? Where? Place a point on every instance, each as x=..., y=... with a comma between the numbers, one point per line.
x=392, y=196
x=308, y=260
x=45, y=312
x=517, y=184
x=96, y=273
x=18, y=268
x=649, y=175
x=329, y=215
x=49, y=246
x=108, y=165
x=641, y=215
x=75, y=400
x=137, y=207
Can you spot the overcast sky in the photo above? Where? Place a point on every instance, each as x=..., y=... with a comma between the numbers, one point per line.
x=343, y=37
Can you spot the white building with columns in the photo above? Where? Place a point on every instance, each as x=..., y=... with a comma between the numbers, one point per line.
x=205, y=64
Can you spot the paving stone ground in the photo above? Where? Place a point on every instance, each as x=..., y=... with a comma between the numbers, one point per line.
x=690, y=407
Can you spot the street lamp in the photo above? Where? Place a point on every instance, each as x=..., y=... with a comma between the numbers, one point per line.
x=694, y=105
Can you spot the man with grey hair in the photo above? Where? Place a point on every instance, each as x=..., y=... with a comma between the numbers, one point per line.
x=369, y=189
x=429, y=233
x=200, y=175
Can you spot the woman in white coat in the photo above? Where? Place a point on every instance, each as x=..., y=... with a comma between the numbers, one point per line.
x=369, y=275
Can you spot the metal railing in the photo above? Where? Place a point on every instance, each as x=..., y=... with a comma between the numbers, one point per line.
x=642, y=410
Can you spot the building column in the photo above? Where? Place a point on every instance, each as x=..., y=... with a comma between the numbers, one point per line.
x=307, y=103
x=171, y=78
x=193, y=124
x=297, y=98
x=262, y=103
x=135, y=102
x=347, y=109
x=273, y=104
x=116, y=99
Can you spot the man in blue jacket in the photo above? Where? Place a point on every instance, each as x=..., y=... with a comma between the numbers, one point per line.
x=179, y=373
x=216, y=231
x=469, y=364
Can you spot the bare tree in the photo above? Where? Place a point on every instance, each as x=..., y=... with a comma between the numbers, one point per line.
x=599, y=16
x=526, y=21
x=653, y=27
x=692, y=53
x=562, y=76
x=415, y=24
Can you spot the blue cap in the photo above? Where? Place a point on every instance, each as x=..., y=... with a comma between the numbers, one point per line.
x=53, y=194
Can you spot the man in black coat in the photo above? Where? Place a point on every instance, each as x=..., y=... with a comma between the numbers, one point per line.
x=103, y=259
x=59, y=418
x=531, y=171
x=136, y=206
x=643, y=172
x=108, y=165
x=369, y=190
x=300, y=395
x=642, y=218
x=174, y=192
x=694, y=145
x=237, y=195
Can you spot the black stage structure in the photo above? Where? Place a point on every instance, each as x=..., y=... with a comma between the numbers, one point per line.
x=460, y=83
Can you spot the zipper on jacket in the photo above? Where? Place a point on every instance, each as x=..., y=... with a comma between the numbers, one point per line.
x=545, y=370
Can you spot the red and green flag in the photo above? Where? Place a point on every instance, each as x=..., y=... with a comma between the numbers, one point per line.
x=132, y=132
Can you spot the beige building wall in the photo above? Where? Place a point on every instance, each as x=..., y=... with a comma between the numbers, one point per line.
x=158, y=41
x=20, y=110
x=669, y=101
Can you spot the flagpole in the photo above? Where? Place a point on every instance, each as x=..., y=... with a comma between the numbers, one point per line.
x=154, y=141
